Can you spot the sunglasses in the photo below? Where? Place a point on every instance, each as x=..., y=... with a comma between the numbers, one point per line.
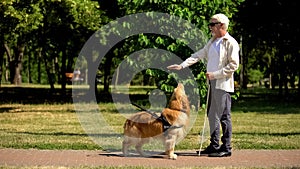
x=212, y=24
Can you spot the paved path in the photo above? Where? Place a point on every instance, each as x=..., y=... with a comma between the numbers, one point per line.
x=71, y=158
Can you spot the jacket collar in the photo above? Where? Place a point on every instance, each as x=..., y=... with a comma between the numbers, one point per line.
x=226, y=37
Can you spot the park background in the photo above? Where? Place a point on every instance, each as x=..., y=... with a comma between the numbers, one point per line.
x=40, y=44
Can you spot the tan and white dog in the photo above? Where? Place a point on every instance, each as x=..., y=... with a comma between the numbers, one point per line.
x=170, y=126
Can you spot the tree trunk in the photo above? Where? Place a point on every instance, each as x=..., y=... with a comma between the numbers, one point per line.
x=63, y=71
x=117, y=77
x=29, y=69
x=39, y=57
x=299, y=84
x=282, y=73
x=243, y=80
x=57, y=72
x=1, y=60
x=9, y=58
x=273, y=75
x=16, y=65
x=17, y=77
x=48, y=70
x=243, y=84
x=286, y=85
x=107, y=66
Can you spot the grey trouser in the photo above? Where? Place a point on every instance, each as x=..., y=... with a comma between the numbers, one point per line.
x=219, y=113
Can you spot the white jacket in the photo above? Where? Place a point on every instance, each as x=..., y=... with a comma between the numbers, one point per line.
x=228, y=63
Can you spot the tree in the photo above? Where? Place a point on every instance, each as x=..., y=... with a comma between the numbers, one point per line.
x=274, y=33
x=67, y=25
x=196, y=12
x=55, y=29
x=19, y=20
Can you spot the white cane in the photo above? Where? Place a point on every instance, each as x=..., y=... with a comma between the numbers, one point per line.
x=205, y=117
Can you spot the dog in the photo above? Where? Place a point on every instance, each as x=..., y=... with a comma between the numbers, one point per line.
x=169, y=127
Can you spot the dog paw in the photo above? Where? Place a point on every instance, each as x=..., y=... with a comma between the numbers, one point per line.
x=173, y=157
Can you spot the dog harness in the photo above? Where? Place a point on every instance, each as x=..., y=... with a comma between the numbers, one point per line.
x=166, y=124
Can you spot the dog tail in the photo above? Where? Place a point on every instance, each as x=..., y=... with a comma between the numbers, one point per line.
x=126, y=124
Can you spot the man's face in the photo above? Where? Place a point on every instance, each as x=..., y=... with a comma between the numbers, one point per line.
x=214, y=27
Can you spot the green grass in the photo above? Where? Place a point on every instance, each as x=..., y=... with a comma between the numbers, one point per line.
x=269, y=121
x=57, y=127
x=259, y=122
x=42, y=127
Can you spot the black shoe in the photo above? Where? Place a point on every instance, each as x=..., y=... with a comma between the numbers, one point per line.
x=220, y=154
x=208, y=150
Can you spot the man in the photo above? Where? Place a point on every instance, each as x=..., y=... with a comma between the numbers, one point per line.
x=222, y=55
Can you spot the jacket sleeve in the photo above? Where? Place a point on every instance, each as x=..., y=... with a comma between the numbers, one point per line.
x=199, y=55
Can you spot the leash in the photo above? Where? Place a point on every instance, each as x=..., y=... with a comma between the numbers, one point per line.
x=166, y=124
x=144, y=109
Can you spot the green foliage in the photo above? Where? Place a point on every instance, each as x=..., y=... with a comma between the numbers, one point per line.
x=59, y=28
x=266, y=43
x=164, y=81
x=197, y=12
x=86, y=14
x=55, y=27
x=255, y=75
x=235, y=95
x=20, y=17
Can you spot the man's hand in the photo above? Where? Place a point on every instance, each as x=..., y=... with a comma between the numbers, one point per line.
x=175, y=67
x=210, y=76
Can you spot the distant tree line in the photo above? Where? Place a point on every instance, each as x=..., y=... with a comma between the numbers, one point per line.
x=270, y=47
x=41, y=39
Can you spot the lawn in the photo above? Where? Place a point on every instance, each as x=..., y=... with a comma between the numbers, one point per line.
x=260, y=121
